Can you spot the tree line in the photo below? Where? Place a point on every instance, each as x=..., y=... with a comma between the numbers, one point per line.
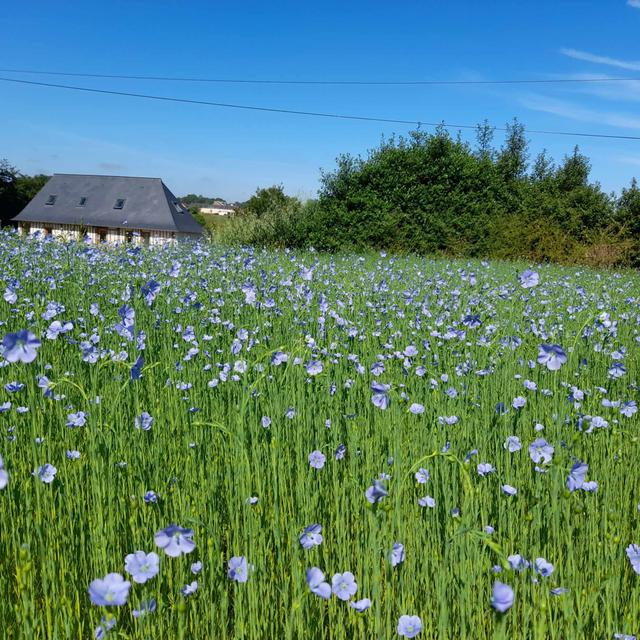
x=436, y=194
x=16, y=190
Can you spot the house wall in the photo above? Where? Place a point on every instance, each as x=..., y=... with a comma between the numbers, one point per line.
x=114, y=236
x=216, y=211
x=60, y=231
x=159, y=238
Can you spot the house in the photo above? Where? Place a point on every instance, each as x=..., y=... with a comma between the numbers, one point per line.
x=217, y=210
x=113, y=209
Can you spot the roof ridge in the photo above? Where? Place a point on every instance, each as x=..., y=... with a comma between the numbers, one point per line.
x=105, y=175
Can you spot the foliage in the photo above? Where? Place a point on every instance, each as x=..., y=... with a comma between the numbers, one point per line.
x=435, y=194
x=201, y=201
x=16, y=190
x=628, y=217
x=265, y=201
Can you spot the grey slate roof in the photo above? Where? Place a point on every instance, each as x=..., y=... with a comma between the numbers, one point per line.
x=149, y=205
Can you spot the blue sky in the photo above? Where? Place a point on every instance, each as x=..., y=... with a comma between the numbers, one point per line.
x=229, y=153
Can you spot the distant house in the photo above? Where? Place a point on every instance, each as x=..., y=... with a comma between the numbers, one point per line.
x=217, y=210
x=111, y=209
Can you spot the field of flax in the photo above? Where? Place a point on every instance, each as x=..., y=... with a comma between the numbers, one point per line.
x=200, y=442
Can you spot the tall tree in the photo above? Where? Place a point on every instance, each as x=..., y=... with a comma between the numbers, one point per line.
x=513, y=157
x=9, y=200
x=265, y=200
x=484, y=138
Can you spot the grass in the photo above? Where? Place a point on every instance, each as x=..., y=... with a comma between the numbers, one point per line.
x=206, y=452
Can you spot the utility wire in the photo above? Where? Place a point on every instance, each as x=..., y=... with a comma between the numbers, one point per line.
x=323, y=82
x=317, y=114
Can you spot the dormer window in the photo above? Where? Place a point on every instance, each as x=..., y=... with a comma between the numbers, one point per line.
x=178, y=208
x=119, y=203
x=82, y=202
x=51, y=200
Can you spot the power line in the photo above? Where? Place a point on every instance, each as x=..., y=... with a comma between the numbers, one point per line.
x=323, y=82
x=317, y=114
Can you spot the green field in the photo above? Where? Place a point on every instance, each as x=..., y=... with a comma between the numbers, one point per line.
x=230, y=337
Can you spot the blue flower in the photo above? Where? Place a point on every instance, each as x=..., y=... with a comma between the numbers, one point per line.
x=190, y=589
x=136, y=368
x=427, y=501
x=143, y=421
x=313, y=367
x=21, y=346
x=175, y=540
x=577, y=476
x=278, y=358
x=56, y=328
x=4, y=476
x=519, y=402
x=360, y=605
x=46, y=473
x=472, y=320
x=150, y=497
x=10, y=295
x=112, y=590
x=77, y=419
x=484, y=469
x=150, y=291
x=317, y=584
x=518, y=563
x=142, y=566
x=502, y=597
x=376, y=492
x=512, y=444
x=396, y=555
x=528, y=279
x=311, y=536
x=543, y=567
x=422, y=476
x=409, y=626
x=633, y=553
x=629, y=408
x=380, y=397
x=317, y=459
x=238, y=569
x=617, y=370
x=343, y=585
x=552, y=356
x=540, y=451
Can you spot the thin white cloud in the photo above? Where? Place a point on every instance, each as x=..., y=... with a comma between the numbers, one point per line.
x=634, y=3
x=571, y=111
x=619, y=91
x=629, y=65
